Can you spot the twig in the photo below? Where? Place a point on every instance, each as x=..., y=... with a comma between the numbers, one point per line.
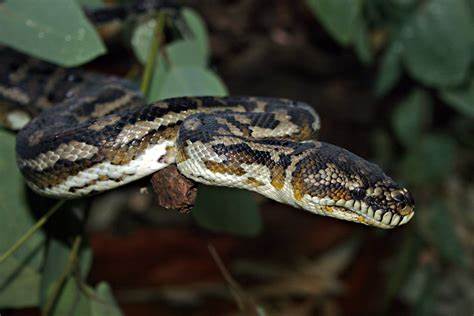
x=72, y=259
x=155, y=44
x=31, y=231
x=243, y=301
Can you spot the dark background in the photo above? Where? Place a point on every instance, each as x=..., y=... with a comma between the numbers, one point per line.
x=159, y=262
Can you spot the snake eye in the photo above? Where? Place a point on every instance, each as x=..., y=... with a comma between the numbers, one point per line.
x=398, y=196
x=358, y=193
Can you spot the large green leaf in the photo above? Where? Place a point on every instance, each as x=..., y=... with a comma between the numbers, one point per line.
x=185, y=53
x=439, y=228
x=403, y=263
x=363, y=46
x=91, y=3
x=73, y=300
x=437, y=42
x=74, y=296
x=426, y=302
x=193, y=50
x=180, y=68
x=53, y=30
x=227, y=210
x=104, y=304
x=19, y=274
x=19, y=283
x=339, y=17
x=141, y=39
x=411, y=117
x=190, y=81
x=78, y=299
x=431, y=161
x=157, y=80
x=461, y=98
x=56, y=260
x=198, y=28
x=390, y=69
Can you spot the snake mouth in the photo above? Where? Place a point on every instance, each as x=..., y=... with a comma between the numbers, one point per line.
x=360, y=212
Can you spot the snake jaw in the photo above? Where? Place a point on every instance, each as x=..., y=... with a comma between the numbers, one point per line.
x=360, y=212
x=387, y=206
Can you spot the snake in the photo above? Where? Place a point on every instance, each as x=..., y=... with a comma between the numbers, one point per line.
x=82, y=133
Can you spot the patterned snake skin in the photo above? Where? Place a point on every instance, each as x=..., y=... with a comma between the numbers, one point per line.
x=92, y=133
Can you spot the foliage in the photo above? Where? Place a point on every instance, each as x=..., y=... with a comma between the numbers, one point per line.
x=22, y=270
x=181, y=68
x=49, y=272
x=339, y=17
x=422, y=49
x=431, y=42
x=224, y=214
x=33, y=27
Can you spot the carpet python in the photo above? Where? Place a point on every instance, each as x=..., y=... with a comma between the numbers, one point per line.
x=82, y=133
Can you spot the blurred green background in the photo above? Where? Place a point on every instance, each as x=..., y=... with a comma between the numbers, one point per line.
x=393, y=81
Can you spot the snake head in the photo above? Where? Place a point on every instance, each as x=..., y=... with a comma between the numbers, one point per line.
x=334, y=182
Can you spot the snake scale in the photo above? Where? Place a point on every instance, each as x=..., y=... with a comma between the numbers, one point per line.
x=82, y=133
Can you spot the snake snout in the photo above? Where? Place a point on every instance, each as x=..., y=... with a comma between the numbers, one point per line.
x=403, y=200
x=391, y=205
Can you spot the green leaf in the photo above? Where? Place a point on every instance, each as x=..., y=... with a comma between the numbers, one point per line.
x=104, y=304
x=403, y=263
x=33, y=27
x=460, y=98
x=19, y=283
x=363, y=47
x=425, y=305
x=189, y=81
x=431, y=161
x=463, y=129
x=179, y=53
x=157, y=80
x=180, y=68
x=194, y=49
x=415, y=284
x=439, y=228
x=390, y=69
x=73, y=301
x=339, y=17
x=227, y=210
x=82, y=300
x=185, y=53
x=85, y=262
x=55, y=263
x=437, y=42
x=91, y=3
x=19, y=274
x=411, y=117
x=141, y=39
x=198, y=27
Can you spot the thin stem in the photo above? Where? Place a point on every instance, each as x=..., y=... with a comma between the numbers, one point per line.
x=72, y=259
x=154, y=46
x=31, y=231
x=244, y=301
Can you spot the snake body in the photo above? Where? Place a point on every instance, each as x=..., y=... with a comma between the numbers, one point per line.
x=92, y=133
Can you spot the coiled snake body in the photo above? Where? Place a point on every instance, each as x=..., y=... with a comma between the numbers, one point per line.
x=100, y=134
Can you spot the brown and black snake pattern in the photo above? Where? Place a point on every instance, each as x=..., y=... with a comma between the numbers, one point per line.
x=87, y=133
